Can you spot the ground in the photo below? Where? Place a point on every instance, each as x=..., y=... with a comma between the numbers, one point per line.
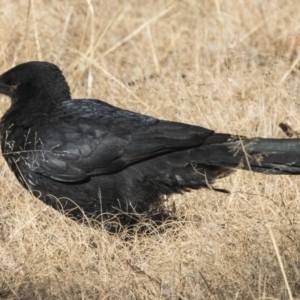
x=231, y=66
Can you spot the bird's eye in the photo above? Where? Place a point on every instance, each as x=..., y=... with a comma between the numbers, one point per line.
x=14, y=86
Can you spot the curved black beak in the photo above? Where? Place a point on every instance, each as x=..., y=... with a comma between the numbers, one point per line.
x=5, y=88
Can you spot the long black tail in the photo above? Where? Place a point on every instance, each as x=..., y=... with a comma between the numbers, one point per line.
x=264, y=155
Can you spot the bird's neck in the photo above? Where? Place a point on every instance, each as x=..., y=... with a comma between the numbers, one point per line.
x=29, y=115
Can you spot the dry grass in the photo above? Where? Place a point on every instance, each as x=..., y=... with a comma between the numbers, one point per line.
x=228, y=65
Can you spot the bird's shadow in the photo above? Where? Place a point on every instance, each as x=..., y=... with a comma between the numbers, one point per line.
x=157, y=220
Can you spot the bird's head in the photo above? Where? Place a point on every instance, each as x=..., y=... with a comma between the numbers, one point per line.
x=34, y=83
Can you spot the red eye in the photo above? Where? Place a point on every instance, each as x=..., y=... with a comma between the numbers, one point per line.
x=14, y=86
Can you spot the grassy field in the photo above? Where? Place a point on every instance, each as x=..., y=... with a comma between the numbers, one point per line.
x=227, y=65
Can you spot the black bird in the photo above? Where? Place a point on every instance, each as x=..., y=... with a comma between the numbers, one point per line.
x=89, y=158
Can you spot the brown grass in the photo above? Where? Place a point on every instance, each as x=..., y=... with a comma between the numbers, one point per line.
x=227, y=65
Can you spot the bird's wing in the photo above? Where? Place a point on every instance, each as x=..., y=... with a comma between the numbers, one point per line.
x=72, y=146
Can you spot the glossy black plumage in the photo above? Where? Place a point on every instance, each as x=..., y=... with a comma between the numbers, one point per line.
x=86, y=156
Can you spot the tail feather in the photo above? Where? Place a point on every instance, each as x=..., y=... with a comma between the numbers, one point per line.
x=264, y=155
